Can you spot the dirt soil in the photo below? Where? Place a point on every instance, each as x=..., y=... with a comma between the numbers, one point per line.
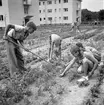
x=60, y=90
x=73, y=95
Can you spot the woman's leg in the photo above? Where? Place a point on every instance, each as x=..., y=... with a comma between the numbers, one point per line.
x=12, y=59
x=20, y=60
x=86, y=67
x=50, y=46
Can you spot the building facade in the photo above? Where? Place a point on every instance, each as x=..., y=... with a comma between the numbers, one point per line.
x=59, y=11
x=40, y=11
x=19, y=12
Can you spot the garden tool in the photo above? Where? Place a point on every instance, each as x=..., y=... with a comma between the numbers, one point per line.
x=26, y=50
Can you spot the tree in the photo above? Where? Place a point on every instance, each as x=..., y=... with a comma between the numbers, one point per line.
x=101, y=15
x=86, y=15
x=89, y=15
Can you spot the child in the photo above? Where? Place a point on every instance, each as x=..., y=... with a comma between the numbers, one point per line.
x=16, y=34
x=78, y=25
x=96, y=53
x=55, y=46
x=86, y=61
x=72, y=26
x=75, y=25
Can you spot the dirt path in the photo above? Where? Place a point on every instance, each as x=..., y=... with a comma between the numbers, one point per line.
x=73, y=95
x=76, y=95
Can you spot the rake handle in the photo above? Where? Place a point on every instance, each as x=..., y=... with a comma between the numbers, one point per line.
x=26, y=49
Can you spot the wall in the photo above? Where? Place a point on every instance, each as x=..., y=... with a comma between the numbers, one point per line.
x=57, y=17
x=34, y=11
x=4, y=11
x=16, y=11
x=76, y=7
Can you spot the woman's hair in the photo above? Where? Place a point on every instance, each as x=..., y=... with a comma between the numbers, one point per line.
x=79, y=44
x=74, y=49
x=31, y=24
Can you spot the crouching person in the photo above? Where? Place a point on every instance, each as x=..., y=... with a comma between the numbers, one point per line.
x=87, y=63
x=16, y=34
x=55, y=47
x=94, y=51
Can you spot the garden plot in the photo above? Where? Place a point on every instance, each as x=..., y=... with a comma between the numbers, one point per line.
x=73, y=95
x=45, y=84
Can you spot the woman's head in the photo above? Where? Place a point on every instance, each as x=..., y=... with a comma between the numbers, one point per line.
x=75, y=50
x=31, y=27
x=80, y=45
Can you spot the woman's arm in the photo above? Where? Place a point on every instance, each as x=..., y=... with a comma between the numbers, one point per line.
x=69, y=66
x=51, y=50
x=9, y=26
x=92, y=58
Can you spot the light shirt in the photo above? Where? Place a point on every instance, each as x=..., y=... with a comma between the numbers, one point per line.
x=56, y=39
x=92, y=49
x=18, y=33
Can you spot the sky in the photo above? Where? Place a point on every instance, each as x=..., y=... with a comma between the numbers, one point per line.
x=93, y=5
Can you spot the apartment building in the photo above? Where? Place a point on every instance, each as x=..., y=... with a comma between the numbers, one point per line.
x=59, y=11
x=40, y=11
x=19, y=12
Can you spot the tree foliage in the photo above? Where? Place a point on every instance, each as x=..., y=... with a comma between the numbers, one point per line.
x=92, y=16
x=101, y=15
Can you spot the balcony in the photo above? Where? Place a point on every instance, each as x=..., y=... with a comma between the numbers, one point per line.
x=27, y=2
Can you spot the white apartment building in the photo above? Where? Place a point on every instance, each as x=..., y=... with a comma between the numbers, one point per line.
x=19, y=12
x=40, y=11
x=59, y=11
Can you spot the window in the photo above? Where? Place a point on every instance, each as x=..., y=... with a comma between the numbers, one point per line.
x=40, y=19
x=65, y=17
x=25, y=9
x=0, y=2
x=1, y=17
x=43, y=3
x=49, y=10
x=59, y=1
x=39, y=3
x=65, y=1
x=39, y=11
x=50, y=18
x=59, y=18
x=44, y=18
x=49, y=2
x=55, y=10
x=55, y=1
x=65, y=9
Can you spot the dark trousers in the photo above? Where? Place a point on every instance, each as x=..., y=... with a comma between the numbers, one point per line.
x=15, y=58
